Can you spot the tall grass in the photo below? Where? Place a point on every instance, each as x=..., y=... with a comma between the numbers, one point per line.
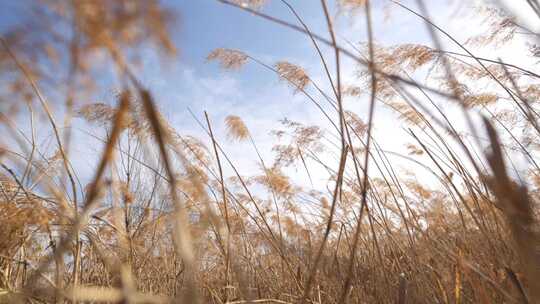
x=169, y=218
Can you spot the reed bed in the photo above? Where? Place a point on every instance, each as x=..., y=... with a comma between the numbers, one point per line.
x=169, y=218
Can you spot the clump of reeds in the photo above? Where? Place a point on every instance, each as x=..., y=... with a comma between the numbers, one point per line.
x=166, y=217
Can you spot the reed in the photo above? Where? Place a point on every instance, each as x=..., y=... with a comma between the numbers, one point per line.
x=167, y=217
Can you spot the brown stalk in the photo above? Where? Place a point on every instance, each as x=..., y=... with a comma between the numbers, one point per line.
x=516, y=205
x=92, y=192
x=371, y=67
x=183, y=238
x=225, y=207
x=343, y=159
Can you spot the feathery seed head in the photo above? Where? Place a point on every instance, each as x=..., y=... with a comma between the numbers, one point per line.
x=294, y=74
x=228, y=59
x=252, y=4
x=99, y=113
x=236, y=128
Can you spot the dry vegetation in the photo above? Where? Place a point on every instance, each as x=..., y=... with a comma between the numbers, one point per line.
x=163, y=221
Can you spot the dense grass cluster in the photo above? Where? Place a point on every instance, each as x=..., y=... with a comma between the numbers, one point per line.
x=168, y=218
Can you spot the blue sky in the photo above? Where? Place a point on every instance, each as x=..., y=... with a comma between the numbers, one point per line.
x=252, y=92
x=188, y=81
x=256, y=94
